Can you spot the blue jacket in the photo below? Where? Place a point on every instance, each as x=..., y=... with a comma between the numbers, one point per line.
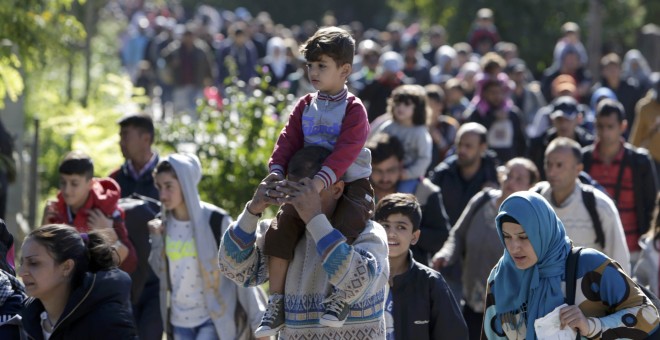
x=424, y=306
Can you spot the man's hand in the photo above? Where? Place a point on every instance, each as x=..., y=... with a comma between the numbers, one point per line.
x=265, y=195
x=155, y=226
x=96, y=220
x=303, y=196
x=50, y=212
x=439, y=262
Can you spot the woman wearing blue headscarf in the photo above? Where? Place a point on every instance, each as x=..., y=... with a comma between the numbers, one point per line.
x=527, y=282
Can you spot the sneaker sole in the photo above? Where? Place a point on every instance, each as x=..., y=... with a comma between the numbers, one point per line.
x=331, y=323
x=268, y=332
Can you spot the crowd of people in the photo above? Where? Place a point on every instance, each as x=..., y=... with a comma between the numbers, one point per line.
x=424, y=190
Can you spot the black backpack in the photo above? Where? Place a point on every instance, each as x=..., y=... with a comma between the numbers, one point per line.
x=571, y=279
x=138, y=211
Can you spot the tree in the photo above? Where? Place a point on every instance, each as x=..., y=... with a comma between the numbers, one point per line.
x=33, y=32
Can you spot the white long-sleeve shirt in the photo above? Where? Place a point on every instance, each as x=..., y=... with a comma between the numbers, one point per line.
x=579, y=227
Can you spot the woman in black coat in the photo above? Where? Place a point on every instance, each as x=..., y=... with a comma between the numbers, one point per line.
x=75, y=288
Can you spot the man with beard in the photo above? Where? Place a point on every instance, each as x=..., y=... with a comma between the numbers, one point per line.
x=387, y=166
x=462, y=175
x=467, y=171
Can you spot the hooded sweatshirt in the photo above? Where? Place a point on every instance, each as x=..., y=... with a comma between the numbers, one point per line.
x=104, y=196
x=223, y=299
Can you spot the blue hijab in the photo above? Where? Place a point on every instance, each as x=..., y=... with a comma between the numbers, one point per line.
x=538, y=287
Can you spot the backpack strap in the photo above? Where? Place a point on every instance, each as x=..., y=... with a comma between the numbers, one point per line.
x=479, y=203
x=570, y=276
x=619, y=178
x=589, y=199
x=215, y=221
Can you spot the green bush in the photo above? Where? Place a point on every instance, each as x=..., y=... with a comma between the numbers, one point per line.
x=233, y=143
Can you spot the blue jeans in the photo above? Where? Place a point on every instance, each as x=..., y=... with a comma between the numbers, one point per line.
x=205, y=331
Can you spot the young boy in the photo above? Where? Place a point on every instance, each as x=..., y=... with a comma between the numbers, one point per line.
x=88, y=203
x=419, y=304
x=334, y=119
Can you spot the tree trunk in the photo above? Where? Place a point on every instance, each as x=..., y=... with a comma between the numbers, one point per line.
x=69, y=78
x=89, y=23
x=594, y=43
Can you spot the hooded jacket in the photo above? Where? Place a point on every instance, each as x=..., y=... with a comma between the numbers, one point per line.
x=98, y=309
x=104, y=195
x=225, y=301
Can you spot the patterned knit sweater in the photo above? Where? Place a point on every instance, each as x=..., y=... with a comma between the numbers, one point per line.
x=322, y=260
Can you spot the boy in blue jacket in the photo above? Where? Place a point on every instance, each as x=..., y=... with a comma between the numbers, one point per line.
x=419, y=303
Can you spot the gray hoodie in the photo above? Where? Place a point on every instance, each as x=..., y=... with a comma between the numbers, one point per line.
x=235, y=311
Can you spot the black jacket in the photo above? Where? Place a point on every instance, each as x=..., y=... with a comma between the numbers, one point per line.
x=98, y=309
x=144, y=185
x=455, y=190
x=435, y=223
x=424, y=307
x=645, y=183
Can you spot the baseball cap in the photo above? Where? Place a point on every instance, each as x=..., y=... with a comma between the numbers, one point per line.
x=564, y=106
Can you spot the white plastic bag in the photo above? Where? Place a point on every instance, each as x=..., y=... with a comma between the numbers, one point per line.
x=549, y=327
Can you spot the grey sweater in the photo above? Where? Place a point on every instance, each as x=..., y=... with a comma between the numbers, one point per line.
x=474, y=238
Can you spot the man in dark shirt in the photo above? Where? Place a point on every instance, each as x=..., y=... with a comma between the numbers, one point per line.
x=136, y=138
x=627, y=173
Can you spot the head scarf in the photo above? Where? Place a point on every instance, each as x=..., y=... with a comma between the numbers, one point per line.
x=536, y=289
x=643, y=70
x=480, y=102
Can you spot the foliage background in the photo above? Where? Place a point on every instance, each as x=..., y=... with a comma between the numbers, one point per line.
x=42, y=56
x=233, y=143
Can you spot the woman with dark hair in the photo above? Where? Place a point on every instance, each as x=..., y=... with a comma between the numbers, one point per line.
x=529, y=281
x=76, y=290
